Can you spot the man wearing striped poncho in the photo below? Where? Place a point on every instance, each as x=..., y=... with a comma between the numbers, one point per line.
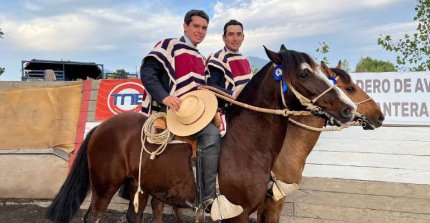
x=173, y=68
x=227, y=69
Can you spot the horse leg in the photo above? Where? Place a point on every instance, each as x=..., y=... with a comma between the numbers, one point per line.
x=178, y=214
x=99, y=205
x=131, y=215
x=157, y=210
x=242, y=218
x=87, y=216
x=270, y=211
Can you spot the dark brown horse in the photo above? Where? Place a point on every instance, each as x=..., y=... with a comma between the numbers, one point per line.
x=109, y=156
x=292, y=158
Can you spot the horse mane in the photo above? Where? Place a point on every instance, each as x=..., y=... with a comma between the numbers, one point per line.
x=342, y=74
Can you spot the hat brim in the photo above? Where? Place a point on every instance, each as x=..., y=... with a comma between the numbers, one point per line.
x=211, y=104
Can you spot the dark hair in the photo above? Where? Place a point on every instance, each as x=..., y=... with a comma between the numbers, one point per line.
x=232, y=22
x=195, y=12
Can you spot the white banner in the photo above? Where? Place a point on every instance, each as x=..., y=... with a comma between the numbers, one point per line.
x=404, y=98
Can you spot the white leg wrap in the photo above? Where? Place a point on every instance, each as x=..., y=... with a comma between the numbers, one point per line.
x=281, y=189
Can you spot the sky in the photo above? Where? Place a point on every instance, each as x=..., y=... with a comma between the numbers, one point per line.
x=118, y=34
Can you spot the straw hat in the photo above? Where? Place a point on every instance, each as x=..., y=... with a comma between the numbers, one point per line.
x=197, y=110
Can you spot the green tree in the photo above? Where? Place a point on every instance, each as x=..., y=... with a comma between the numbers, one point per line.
x=345, y=66
x=413, y=49
x=323, y=50
x=121, y=73
x=373, y=65
x=254, y=70
x=1, y=68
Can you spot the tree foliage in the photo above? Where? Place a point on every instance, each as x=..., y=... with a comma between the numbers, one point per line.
x=413, y=49
x=373, y=65
x=323, y=50
x=255, y=70
x=345, y=66
x=121, y=73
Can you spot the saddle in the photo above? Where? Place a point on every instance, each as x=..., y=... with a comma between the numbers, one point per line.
x=160, y=125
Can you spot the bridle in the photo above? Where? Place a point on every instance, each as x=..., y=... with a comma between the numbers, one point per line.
x=308, y=103
x=361, y=119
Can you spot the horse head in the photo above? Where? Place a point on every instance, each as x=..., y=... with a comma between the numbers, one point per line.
x=368, y=112
x=302, y=80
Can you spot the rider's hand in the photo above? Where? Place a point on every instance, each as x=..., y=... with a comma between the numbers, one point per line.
x=172, y=102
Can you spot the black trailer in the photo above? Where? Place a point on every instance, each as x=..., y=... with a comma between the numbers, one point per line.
x=64, y=70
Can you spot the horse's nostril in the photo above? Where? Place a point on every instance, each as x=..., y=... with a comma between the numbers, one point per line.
x=347, y=112
x=380, y=120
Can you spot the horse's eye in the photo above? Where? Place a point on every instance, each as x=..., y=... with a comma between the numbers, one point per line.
x=350, y=89
x=305, y=74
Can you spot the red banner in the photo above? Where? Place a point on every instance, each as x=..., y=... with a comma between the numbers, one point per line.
x=117, y=96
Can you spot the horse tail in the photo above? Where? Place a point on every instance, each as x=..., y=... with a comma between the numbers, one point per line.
x=74, y=190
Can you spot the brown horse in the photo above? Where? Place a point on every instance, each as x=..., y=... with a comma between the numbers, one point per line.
x=109, y=156
x=292, y=158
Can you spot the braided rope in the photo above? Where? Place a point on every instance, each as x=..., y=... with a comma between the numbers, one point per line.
x=324, y=129
x=283, y=112
x=162, y=138
x=229, y=98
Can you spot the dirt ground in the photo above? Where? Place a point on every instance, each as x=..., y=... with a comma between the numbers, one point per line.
x=20, y=211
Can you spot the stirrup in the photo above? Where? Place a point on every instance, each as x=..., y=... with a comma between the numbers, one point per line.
x=207, y=205
x=222, y=208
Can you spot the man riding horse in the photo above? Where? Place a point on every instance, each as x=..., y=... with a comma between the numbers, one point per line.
x=227, y=69
x=171, y=70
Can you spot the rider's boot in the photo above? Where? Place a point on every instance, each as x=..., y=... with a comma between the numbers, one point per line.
x=219, y=206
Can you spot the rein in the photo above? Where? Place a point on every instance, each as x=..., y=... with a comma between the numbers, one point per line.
x=284, y=112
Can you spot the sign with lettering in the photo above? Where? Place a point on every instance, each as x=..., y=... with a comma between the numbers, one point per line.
x=404, y=98
x=117, y=96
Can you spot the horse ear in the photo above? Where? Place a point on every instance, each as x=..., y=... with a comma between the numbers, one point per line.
x=323, y=65
x=273, y=56
x=283, y=47
x=325, y=69
x=339, y=65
